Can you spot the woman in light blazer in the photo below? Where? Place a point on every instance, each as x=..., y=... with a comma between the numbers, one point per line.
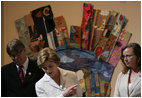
x=56, y=81
x=128, y=83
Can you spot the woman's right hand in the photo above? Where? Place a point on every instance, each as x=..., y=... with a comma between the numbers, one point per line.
x=70, y=91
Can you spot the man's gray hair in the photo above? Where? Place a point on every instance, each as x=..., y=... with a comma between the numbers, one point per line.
x=14, y=45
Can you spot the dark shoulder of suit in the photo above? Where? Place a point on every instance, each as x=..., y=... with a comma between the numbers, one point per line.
x=11, y=85
x=33, y=68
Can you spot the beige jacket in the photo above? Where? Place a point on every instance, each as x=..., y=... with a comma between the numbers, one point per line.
x=47, y=87
x=121, y=87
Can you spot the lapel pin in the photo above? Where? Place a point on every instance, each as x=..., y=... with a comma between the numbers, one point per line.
x=140, y=76
x=29, y=73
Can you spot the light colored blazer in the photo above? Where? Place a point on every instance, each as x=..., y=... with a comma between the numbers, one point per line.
x=121, y=87
x=47, y=87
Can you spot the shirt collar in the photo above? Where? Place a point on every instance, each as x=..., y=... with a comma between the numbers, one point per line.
x=25, y=65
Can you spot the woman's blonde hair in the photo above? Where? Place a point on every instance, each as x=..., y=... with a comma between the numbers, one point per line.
x=47, y=54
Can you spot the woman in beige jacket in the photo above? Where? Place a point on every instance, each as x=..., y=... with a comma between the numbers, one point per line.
x=128, y=83
x=56, y=81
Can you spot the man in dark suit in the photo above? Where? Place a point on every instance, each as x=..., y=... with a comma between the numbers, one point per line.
x=11, y=83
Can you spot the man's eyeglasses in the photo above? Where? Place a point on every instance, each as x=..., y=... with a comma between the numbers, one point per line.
x=127, y=56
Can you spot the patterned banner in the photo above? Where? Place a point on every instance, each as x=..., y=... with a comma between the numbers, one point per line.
x=100, y=46
x=100, y=20
x=122, y=41
x=75, y=36
x=36, y=40
x=108, y=47
x=23, y=36
x=86, y=25
x=44, y=23
x=61, y=31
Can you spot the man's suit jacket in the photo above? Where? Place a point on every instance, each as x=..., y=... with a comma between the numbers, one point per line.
x=121, y=87
x=11, y=85
x=47, y=87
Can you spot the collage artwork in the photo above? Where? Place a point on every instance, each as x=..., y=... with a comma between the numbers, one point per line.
x=94, y=47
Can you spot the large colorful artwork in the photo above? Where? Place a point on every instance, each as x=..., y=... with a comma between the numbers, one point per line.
x=93, y=48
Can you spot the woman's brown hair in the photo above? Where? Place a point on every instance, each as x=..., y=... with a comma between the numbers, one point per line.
x=136, y=50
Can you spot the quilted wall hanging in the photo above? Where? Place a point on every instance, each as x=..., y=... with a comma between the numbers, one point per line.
x=93, y=47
